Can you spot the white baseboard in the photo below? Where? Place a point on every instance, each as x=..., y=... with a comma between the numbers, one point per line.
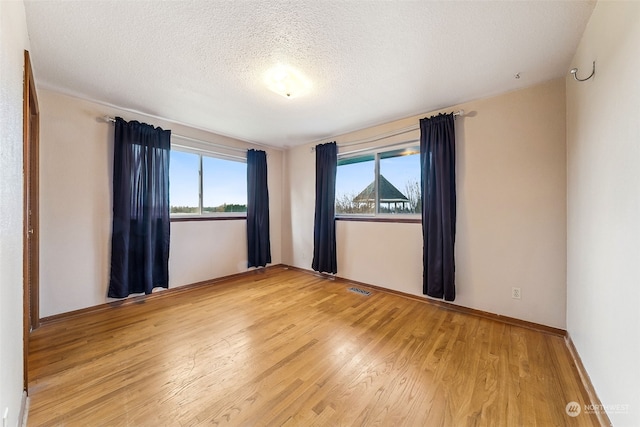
x=24, y=410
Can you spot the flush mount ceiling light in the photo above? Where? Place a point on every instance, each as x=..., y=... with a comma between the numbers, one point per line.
x=287, y=81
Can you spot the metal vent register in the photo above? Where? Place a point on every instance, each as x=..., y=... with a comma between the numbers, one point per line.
x=360, y=291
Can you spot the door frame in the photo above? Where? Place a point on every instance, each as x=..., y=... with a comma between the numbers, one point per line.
x=31, y=215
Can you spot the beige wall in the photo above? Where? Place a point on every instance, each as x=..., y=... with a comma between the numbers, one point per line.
x=603, y=144
x=13, y=41
x=75, y=192
x=511, y=210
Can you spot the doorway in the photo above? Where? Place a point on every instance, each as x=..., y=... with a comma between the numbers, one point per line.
x=31, y=127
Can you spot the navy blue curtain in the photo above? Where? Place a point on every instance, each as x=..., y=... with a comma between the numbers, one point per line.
x=258, y=242
x=438, y=190
x=140, y=231
x=324, y=229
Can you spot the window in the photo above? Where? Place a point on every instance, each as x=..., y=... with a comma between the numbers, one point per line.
x=184, y=182
x=379, y=183
x=354, y=185
x=205, y=184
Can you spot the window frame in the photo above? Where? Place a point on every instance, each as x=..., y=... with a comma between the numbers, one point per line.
x=378, y=216
x=200, y=215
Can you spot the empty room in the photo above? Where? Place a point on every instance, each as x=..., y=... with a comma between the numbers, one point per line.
x=319, y=213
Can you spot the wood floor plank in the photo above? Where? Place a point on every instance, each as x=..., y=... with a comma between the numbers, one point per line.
x=287, y=348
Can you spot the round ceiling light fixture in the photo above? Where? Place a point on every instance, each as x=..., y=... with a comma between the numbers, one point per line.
x=287, y=81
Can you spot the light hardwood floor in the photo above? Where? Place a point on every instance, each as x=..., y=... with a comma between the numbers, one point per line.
x=287, y=348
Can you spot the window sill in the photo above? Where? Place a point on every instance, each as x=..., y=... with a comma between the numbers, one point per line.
x=379, y=219
x=207, y=218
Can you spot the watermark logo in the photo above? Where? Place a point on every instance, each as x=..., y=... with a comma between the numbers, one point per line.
x=615, y=408
x=573, y=409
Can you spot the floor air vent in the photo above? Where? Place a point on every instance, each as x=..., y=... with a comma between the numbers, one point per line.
x=360, y=291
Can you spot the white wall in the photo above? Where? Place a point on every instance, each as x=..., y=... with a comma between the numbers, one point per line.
x=603, y=246
x=511, y=225
x=13, y=41
x=76, y=205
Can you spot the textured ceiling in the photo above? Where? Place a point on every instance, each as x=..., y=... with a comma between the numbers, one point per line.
x=202, y=62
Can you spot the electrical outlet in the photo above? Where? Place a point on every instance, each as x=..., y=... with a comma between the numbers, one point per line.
x=515, y=293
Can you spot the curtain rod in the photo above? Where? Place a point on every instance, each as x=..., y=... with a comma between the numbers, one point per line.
x=110, y=119
x=385, y=136
x=361, y=150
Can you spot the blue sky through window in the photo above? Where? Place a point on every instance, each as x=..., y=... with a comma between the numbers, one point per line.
x=224, y=181
x=399, y=170
x=352, y=178
x=183, y=179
